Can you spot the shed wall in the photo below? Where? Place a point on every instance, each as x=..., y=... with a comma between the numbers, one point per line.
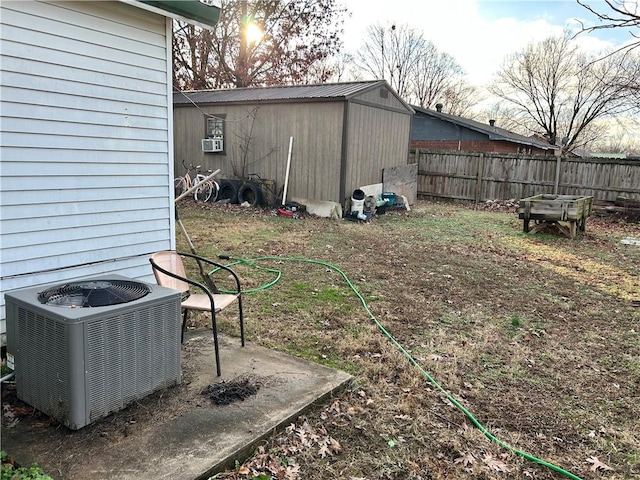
x=383, y=97
x=257, y=142
x=86, y=145
x=377, y=139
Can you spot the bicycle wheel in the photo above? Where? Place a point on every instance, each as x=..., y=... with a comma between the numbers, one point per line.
x=179, y=186
x=203, y=192
x=215, y=189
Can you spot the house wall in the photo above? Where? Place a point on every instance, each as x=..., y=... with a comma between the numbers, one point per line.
x=433, y=133
x=429, y=128
x=263, y=132
x=86, y=149
x=487, y=146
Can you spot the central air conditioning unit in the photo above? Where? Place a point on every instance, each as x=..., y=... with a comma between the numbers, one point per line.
x=212, y=145
x=84, y=349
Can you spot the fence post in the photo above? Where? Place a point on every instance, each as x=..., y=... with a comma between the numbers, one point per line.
x=479, y=178
x=557, y=183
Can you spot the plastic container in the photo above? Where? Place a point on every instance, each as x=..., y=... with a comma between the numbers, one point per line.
x=357, y=201
x=389, y=197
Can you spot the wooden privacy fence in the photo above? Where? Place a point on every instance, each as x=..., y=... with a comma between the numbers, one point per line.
x=490, y=176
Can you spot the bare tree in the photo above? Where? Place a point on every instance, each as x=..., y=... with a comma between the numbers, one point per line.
x=390, y=52
x=459, y=98
x=414, y=67
x=335, y=68
x=192, y=49
x=295, y=35
x=623, y=14
x=245, y=143
x=620, y=14
x=435, y=73
x=561, y=91
x=507, y=117
x=618, y=141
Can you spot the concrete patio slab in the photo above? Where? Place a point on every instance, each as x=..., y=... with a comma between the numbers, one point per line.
x=178, y=433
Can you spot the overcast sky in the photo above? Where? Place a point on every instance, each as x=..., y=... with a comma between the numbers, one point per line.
x=480, y=33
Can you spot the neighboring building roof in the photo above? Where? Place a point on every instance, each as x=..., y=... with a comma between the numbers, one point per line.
x=493, y=132
x=288, y=93
x=192, y=11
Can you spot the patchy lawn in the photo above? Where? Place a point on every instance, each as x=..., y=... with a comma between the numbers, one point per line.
x=537, y=336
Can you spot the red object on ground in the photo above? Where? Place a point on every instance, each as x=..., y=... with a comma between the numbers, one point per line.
x=283, y=212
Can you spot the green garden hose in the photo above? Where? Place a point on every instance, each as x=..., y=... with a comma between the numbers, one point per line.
x=449, y=397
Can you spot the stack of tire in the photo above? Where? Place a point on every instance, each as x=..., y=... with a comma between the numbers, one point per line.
x=239, y=192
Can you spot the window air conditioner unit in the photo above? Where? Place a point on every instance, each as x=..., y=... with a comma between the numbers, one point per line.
x=211, y=145
x=83, y=349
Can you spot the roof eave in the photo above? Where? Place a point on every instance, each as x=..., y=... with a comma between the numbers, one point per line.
x=190, y=11
x=501, y=138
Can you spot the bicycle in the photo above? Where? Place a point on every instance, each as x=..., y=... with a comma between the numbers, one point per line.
x=207, y=192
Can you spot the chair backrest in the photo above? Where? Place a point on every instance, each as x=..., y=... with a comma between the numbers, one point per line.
x=172, y=262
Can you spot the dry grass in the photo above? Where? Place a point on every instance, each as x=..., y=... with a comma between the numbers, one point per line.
x=537, y=336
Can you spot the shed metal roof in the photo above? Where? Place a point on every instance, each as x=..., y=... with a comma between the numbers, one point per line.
x=287, y=93
x=493, y=132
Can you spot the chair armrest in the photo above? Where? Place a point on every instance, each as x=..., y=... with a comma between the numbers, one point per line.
x=217, y=265
x=184, y=279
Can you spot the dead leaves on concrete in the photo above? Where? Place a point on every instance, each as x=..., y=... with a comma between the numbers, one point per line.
x=299, y=438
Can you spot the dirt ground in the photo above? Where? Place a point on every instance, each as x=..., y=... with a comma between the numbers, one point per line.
x=478, y=351
x=535, y=336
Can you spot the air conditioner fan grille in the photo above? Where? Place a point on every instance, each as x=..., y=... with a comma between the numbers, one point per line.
x=93, y=293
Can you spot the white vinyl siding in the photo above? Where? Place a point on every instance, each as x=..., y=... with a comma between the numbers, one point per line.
x=86, y=141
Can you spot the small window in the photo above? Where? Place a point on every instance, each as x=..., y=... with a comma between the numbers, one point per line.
x=213, y=141
x=215, y=127
x=384, y=93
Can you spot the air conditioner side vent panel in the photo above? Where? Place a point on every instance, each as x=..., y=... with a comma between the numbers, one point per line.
x=81, y=364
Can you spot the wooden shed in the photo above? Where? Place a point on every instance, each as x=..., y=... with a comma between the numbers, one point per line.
x=344, y=134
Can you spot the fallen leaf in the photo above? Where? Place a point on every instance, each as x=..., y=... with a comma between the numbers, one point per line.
x=596, y=464
x=244, y=470
x=402, y=417
x=324, y=451
x=466, y=459
x=292, y=472
x=495, y=464
x=335, y=407
x=334, y=445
